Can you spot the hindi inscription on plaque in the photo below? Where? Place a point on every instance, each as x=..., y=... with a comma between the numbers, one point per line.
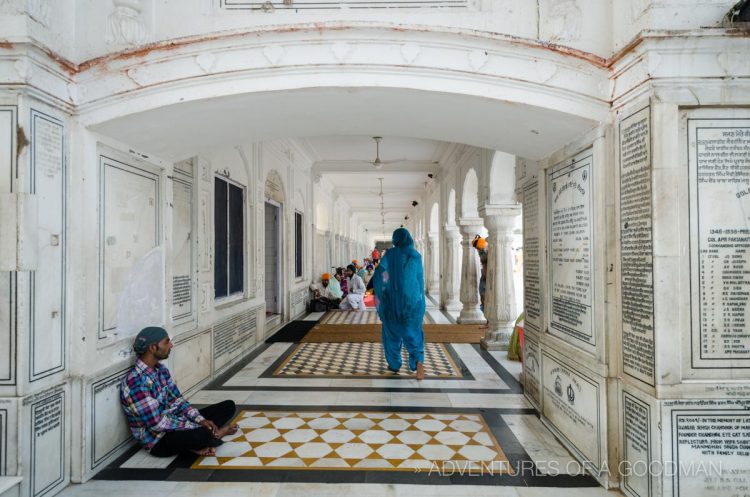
x=636, y=247
x=570, y=222
x=719, y=159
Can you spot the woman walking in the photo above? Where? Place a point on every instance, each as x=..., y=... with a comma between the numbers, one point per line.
x=400, y=300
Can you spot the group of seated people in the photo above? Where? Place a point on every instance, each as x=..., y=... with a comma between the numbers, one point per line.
x=346, y=288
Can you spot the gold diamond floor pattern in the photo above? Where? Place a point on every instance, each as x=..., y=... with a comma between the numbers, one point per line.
x=384, y=441
x=362, y=359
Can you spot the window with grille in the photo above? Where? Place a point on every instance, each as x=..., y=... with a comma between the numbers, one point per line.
x=229, y=238
x=298, y=244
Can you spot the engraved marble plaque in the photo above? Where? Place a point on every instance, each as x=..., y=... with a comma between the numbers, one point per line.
x=710, y=449
x=531, y=285
x=47, y=469
x=129, y=230
x=636, y=247
x=572, y=404
x=109, y=428
x=636, y=426
x=570, y=221
x=232, y=336
x=532, y=370
x=719, y=161
x=47, y=326
x=182, y=248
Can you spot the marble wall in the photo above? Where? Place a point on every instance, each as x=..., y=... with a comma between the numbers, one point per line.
x=640, y=367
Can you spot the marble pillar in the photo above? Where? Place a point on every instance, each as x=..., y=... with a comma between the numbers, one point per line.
x=470, y=313
x=451, y=277
x=500, y=293
x=328, y=250
x=433, y=287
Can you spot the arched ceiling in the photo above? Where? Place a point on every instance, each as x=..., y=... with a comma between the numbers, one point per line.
x=182, y=130
x=336, y=126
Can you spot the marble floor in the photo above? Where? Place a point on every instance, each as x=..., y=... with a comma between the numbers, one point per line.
x=342, y=434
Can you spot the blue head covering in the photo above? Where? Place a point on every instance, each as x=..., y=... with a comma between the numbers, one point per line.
x=399, y=281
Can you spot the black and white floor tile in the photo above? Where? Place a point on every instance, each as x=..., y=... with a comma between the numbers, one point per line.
x=365, y=434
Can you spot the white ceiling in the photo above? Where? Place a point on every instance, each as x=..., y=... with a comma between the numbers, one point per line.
x=347, y=148
x=182, y=130
x=359, y=186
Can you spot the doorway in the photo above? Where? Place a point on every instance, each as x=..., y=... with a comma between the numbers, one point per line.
x=273, y=258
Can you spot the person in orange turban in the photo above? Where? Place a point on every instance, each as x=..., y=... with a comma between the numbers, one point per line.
x=480, y=244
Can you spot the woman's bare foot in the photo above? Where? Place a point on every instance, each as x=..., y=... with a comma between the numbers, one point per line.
x=227, y=430
x=420, y=371
x=206, y=451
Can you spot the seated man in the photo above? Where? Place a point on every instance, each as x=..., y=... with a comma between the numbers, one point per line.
x=368, y=280
x=160, y=419
x=329, y=297
x=355, y=298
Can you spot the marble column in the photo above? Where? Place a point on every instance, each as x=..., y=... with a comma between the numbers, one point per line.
x=434, y=283
x=328, y=250
x=470, y=313
x=336, y=251
x=500, y=292
x=452, y=266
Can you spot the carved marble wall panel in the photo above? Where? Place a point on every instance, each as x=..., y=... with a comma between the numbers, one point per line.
x=129, y=230
x=47, y=332
x=232, y=336
x=108, y=429
x=8, y=122
x=183, y=246
x=191, y=360
x=45, y=451
x=572, y=402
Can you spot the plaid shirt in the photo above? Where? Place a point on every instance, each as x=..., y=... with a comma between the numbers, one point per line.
x=154, y=405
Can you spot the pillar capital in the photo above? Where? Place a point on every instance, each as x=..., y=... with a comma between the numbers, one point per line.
x=470, y=226
x=500, y=217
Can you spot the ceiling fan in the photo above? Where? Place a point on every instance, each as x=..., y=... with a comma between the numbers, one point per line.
x=377, y=163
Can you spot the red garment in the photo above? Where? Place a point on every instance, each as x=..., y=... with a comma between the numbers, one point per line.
x=375, y=255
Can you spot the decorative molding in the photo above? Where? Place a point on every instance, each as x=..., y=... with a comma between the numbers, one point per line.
x=39, y=10
x=273, y=53
x=565, y=17
x=126, y=25
x=410, y=52
x=340, y=51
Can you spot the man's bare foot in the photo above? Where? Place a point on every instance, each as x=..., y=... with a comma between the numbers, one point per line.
x=420, y=371
x=227, y=430
x=206, y=451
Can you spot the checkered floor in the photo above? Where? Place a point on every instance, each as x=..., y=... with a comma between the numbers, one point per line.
x=362, y=359
x=357, y=317
x=359, y=440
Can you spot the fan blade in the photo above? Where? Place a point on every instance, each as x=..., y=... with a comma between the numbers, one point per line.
x=395, y=161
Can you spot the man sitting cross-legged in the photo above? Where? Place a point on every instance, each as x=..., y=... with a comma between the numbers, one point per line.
x=159, y=418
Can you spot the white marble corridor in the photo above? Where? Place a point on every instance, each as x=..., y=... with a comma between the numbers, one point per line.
x=536, y=439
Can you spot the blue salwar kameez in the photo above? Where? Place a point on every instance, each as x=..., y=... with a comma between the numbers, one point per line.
x=400, y=300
